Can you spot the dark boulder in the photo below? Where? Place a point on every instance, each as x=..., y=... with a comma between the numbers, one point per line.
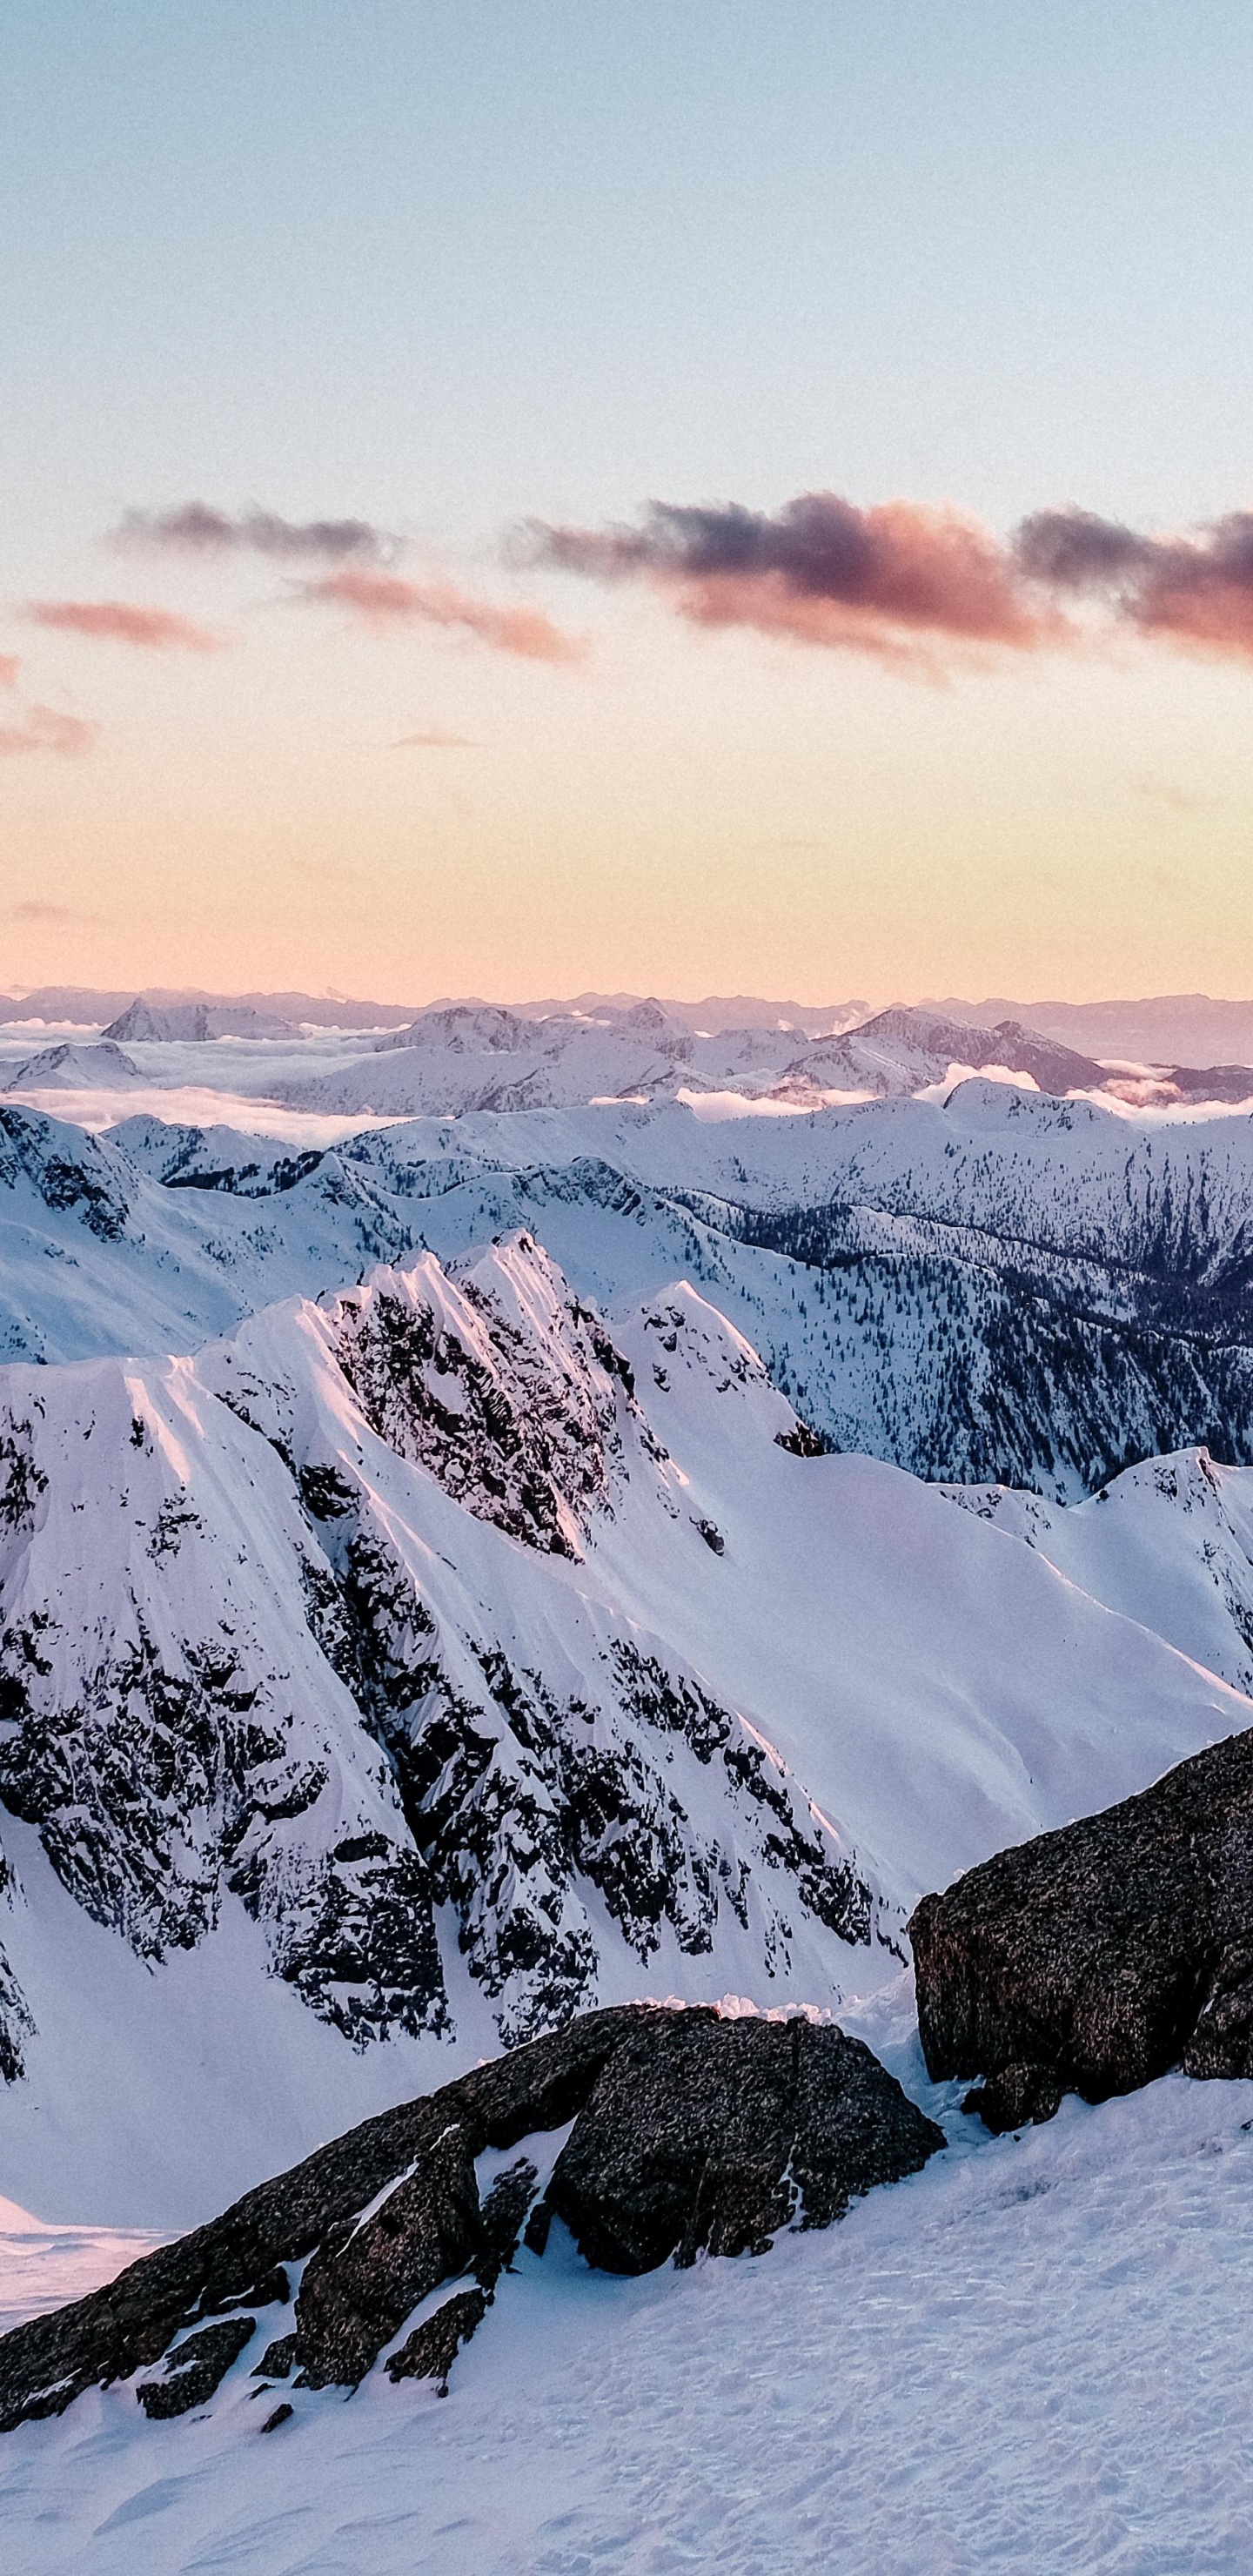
x=128, y=2324
x=690, y=2133
x=1093, y=1959
x=278, y=2360
x=703, y=2135
x=504, y=2215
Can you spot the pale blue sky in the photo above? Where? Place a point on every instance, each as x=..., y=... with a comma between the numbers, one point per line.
x=463, y=259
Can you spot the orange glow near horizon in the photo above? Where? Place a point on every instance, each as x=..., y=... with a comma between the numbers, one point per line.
x=443, y=793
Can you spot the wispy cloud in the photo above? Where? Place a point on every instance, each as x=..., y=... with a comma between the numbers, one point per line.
x=1180, y=800
x=1193, y=591
x=383, y=602
x=46, y=729
x=121, y=621
x=57, y=916
x=8, y=670
x=434, y=738
x=194, y=527
x=896, y=581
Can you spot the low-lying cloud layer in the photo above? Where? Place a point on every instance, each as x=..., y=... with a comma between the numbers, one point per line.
x=122, y=621
x=920, y=587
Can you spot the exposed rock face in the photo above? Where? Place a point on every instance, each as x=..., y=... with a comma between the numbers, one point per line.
x=1096, y=1958
x=195, y=2370
x=285, y=1675
x=133, y=2320
x=432, y=2348
x=689, y=2132
x=85, y=1178
x=499, y=1383
x=708, y=2136
x=367, y=2277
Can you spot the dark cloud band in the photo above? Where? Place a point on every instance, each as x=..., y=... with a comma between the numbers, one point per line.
x=897, y=580
x=921, y=586
x=1196, y=590
x=196, y=528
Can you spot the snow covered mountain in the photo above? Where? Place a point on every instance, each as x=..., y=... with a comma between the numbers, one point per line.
x=323, y=1661
x=199, y=1022
x=995, y=1286
x=458, y=1624
x=426, y=1662
x=76, y=1066
x=480, y=1058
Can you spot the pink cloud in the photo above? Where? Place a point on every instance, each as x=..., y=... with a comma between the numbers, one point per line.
x=898, y=581
x=918, y=587
x=382, y=601
x=195, y=527
x=435, y=738
x=8, y=670
x=47, y=729
x=119, y=621
x=51, y=915
x=1193, y=591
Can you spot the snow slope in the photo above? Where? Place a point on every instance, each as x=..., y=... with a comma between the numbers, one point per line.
x=1032, y=2356
x=1169, y=1543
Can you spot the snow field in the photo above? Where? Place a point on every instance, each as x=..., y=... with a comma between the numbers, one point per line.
x=1031, y=2359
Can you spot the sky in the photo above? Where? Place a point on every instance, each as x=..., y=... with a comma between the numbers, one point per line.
x=519, y=496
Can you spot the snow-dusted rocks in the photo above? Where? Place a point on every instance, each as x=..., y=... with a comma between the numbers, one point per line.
x=1096, y=1958
x=501, y=1384
x=690, y=2133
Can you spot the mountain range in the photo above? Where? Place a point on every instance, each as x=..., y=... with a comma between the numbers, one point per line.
x=506, y=1516
x=993, y=1285
x=1188, y=1028
x=489, y=1564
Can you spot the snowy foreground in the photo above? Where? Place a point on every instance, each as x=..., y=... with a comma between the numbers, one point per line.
x=1033, y=2356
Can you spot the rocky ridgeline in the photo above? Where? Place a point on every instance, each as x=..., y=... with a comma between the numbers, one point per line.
x=1094, y=1959
x=691, y=2133
x=268, y=1680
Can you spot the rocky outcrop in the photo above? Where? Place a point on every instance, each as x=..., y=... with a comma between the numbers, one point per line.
x=196, y=2368
x=703, y=2136
x=690, y=2133
x=1093, y=1959
x=498, y=1382
x=370, y=2274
